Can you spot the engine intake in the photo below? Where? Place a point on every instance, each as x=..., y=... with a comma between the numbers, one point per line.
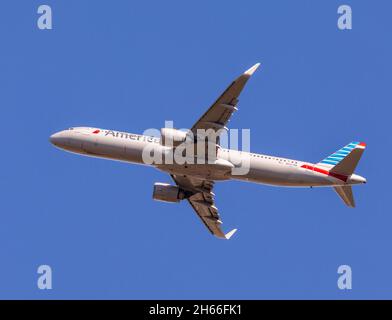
x=167, y=193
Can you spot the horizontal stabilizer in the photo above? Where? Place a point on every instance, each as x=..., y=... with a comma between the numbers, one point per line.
x=346, y=193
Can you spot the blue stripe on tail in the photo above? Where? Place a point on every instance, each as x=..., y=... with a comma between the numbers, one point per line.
x=339, y=155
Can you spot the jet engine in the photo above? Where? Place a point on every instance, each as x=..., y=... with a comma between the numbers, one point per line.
x=172, y=137
x=166, y=192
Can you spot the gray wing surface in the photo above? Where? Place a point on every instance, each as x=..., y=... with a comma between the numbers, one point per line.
x=202, y=201
x=218, y=115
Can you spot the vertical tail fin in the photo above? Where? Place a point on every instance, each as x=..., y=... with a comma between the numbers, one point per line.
x=345, y=160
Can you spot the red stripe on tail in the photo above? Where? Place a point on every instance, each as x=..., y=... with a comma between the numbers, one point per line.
x=326, y=172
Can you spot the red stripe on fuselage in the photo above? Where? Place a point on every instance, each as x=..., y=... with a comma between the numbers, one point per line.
x=326, y=172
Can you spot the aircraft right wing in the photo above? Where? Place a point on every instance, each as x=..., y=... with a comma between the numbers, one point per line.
x=202, y=201
x=218, y=115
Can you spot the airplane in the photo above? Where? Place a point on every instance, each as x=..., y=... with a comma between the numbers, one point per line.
x=194, y=182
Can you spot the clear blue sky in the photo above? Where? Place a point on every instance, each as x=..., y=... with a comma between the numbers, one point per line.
x=129, y=66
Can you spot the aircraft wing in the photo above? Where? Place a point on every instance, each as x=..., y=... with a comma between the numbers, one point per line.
x=218, y=115
x=202, y=201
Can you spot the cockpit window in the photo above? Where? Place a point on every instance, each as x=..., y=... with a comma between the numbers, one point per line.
x=70, y=128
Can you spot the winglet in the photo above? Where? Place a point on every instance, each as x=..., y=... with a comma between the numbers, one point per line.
x=230, y=234
x=251, y=70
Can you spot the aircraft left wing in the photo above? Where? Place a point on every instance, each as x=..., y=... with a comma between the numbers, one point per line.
x=218, y=115
x=202, y=201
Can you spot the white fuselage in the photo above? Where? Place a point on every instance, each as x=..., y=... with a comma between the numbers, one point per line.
x=128, y=147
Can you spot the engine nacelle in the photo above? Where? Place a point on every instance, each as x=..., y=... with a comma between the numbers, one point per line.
x=172, y=137
x=166, y=192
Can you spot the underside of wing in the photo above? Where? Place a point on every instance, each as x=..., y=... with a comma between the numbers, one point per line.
x=202, y=201
x=218, y=115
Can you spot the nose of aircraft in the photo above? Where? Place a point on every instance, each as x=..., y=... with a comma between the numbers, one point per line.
x=57, y=139
x=54, y=138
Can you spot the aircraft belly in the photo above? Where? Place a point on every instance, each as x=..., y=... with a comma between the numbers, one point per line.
x=282, y=175
x=102, y=147
x=202, y=171
x=134, y=151
x=106, y=148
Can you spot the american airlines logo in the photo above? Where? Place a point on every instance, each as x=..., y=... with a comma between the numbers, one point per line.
x=187, y=147
x=125, y=135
